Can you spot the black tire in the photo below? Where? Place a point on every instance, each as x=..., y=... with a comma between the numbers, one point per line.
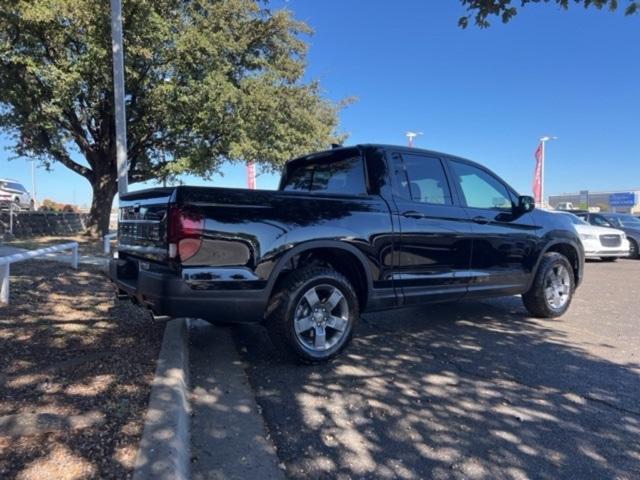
x=633, y=249
x=535, y=300
x=284, y=305
x=608, y=259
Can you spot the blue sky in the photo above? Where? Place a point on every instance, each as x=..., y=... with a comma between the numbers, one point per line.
x=487, y=95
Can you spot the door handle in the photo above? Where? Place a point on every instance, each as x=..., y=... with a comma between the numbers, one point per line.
x=481, y=220
x=412, y=214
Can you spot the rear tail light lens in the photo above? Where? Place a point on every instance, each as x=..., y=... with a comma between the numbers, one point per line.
x=184, y=233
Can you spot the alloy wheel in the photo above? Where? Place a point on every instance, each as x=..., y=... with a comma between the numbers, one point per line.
x=557, y=286
x=321, y=318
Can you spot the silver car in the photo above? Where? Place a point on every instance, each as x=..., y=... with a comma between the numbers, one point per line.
x=12, y=192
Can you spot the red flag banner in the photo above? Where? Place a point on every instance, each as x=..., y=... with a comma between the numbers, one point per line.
x=251, y=176
x=537, y=175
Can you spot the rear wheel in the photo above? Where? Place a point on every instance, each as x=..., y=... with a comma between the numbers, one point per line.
x=313, y=314
x=552, y=290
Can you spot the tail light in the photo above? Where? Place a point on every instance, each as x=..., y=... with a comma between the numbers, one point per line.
x=184, y=233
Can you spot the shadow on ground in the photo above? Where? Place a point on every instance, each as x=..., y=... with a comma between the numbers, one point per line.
x=471, y=390
x=70, y=351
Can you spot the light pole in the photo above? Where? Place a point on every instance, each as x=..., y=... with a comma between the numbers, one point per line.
x=410, y=136
x=118, y=96
x=543, y=140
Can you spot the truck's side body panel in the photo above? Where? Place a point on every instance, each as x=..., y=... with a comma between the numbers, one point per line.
x=247, y=232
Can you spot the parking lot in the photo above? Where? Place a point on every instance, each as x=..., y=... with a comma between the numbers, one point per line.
x=471, y=390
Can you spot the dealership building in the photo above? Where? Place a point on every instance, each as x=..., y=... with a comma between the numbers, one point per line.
x=624, y=201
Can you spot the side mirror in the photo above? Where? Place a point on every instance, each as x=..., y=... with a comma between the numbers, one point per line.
x=525, y=204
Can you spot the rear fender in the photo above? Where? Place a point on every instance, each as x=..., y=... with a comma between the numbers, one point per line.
x=316, y=244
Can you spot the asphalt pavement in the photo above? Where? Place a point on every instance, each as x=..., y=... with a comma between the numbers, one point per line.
x=466, y=390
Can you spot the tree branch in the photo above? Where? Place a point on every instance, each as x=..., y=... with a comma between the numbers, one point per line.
x=77, y=132
x=65, y=159
x=60, y=155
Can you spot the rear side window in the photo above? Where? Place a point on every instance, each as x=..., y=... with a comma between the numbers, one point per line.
x=342, y=172
x=421, y=179
x=480, y=189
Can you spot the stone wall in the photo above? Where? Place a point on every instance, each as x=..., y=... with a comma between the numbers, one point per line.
x=34, y=224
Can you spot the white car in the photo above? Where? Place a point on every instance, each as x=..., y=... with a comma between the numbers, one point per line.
x=12, y=192
x=565, y=206
x=600, y=242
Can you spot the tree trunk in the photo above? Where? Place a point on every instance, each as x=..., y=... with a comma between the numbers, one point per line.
x=104, y=189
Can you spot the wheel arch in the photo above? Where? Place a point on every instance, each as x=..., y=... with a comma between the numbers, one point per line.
x=349, y=261
x=568, y=249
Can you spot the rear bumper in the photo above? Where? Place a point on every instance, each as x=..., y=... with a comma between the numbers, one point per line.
x=168, y=294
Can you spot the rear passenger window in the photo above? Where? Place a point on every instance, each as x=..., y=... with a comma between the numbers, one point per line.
x=421, y=179
x=342, y=172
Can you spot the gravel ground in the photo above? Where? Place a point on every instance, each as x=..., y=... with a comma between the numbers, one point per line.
x=72, y=353
x=471, y=390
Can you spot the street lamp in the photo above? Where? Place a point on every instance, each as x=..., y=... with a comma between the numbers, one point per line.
x=411, y=135
x=543, y=140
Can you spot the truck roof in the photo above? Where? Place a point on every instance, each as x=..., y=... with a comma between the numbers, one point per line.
x=380, y=145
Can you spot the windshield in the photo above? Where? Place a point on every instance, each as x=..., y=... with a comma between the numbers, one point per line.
x=623, y=220
x=12, y=186
x=576, y=220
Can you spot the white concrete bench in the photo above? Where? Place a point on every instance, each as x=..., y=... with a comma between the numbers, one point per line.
x=6, y=261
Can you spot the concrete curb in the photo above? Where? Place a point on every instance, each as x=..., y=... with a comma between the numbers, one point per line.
x=165, y=444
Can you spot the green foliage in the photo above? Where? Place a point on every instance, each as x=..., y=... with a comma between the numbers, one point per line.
x=206, y=81
x=481, y=10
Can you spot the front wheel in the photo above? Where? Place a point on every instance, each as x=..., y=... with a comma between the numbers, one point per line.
x=312, y=315
x=633, y=249
x=552, y=290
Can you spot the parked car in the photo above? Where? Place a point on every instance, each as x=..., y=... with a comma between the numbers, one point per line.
x=607, y=244
x=13, y=192
x=565, y=206
x=622, y=221
x=349, y=230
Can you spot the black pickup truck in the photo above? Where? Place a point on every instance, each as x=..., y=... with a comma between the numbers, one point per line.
x=352, y=229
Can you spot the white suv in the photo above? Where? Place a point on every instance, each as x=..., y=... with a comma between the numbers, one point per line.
x=14, y=192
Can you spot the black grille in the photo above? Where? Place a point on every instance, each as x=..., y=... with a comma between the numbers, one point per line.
x=610, y=240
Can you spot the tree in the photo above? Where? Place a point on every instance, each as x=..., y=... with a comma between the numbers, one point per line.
x=481, y=10
x=207, y=81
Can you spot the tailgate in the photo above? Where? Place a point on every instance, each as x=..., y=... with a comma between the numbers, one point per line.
x=142, y=223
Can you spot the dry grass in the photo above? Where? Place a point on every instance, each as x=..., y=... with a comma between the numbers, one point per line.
x=69, y=348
